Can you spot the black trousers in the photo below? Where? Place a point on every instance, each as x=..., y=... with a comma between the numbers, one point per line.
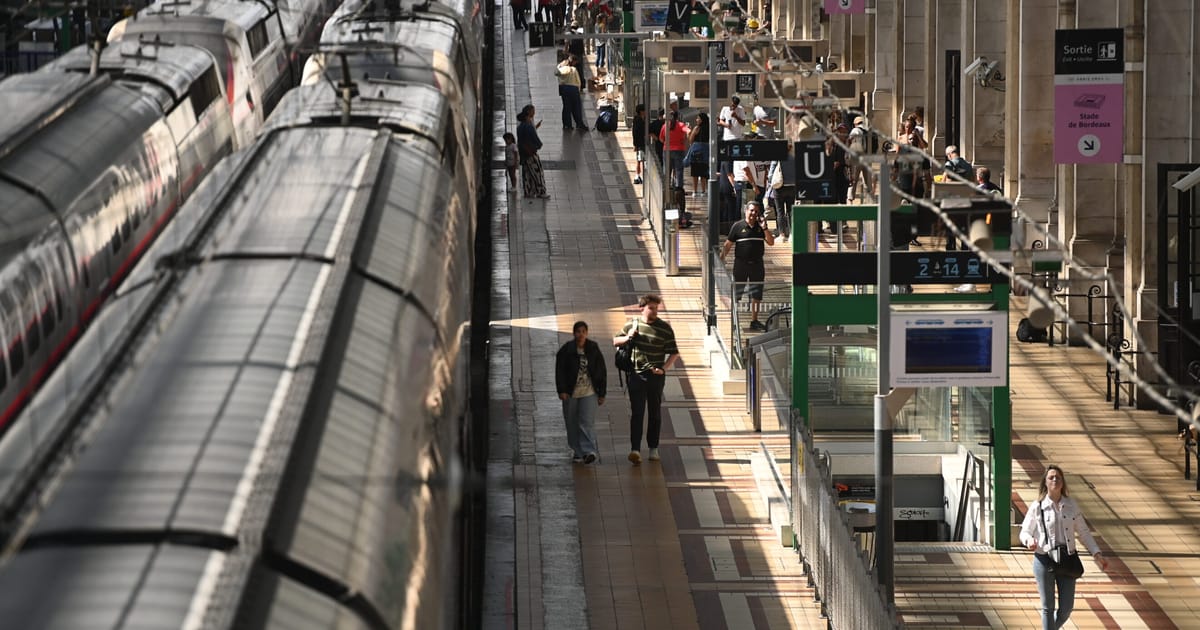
x=645, y=389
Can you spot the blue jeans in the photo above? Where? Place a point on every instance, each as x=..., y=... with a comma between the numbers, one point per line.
x=580, y=416
x=645, y=390
x=677, y=168
x=572, y=104
x=1046, y=582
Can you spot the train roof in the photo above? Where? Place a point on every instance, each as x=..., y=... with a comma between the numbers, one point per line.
x=31, y=101
x=394, y=101
x=175, y=68
x=244, y=14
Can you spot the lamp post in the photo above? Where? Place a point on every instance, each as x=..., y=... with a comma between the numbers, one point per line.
x=884, y=473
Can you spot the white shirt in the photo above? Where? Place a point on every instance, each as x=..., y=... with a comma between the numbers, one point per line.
x=765, y=129
x=735, y=129
x=1058, y=523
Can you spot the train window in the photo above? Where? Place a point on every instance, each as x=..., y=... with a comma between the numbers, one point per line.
x=257, y=37
x=204, y=91
x=116, y=241
x=16, y=356
x=450, y=150
x=12, y=339
x=33, y=333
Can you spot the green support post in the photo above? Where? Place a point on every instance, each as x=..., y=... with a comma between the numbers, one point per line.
x=858, y=309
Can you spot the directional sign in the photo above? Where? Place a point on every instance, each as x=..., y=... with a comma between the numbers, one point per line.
x=756, y=150
x=814, y=172
x=845, y=6
x=1089, y=96
x=831, y=268
x=541, y=35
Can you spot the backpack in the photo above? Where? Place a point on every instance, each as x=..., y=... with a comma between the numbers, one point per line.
x=1028, y=334
x=607, y=120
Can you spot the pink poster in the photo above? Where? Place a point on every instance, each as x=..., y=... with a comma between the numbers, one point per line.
x=1089, y=121
x=845, y=6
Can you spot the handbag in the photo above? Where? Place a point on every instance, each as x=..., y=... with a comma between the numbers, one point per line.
x=1060, y=560
x=776, y=175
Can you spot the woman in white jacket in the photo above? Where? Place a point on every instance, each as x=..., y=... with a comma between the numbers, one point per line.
x=1053, y=521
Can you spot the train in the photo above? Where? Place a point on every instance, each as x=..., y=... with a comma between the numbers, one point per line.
x=99, y=149
x=279, y=434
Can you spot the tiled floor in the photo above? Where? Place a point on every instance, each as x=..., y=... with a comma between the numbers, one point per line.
x=685, y=543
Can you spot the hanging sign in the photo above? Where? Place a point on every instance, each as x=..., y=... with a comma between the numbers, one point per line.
x=1089, y=96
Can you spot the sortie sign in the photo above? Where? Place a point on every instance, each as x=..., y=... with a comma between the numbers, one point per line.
x=1089, y=96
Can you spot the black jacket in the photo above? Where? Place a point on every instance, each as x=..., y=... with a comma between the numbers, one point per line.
x=566, y=368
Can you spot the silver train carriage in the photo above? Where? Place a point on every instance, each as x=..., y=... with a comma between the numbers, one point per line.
x=91, y=168
x=95, y=166
x=278, y=445
x=260, y=45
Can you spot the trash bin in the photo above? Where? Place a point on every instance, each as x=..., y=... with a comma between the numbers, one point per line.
x=671, y=241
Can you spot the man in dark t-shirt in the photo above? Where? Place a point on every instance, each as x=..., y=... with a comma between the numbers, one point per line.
x=749, y=240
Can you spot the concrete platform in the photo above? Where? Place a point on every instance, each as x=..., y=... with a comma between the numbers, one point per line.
x=687, y=543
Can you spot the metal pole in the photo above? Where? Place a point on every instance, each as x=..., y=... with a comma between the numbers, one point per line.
x=714, y=191
x=884, y=534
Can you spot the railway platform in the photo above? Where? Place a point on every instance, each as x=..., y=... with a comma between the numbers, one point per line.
x=685, y=542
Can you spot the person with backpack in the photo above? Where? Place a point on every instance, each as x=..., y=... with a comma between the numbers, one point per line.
x=654, y=352
x=581, y=379
x=861, y=141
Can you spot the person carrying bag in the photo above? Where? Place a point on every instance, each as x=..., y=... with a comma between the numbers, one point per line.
x=1049, y=530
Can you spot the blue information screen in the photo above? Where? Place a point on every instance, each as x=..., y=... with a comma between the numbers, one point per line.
x=947, y=350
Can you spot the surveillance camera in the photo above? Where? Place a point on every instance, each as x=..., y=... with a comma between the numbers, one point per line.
x=975, y=65
x=1188, y=181
x=990, y=73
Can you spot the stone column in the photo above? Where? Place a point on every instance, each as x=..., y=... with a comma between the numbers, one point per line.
x=1031, y=84
x=888, y=56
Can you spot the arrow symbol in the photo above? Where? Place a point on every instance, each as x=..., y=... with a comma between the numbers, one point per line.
x=1088, y=145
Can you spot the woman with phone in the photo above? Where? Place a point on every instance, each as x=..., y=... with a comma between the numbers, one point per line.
x=528, y=144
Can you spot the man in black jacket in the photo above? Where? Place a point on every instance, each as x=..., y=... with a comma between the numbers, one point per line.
x=581, y=379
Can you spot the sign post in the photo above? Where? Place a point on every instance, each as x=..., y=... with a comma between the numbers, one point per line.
x=1089, y=96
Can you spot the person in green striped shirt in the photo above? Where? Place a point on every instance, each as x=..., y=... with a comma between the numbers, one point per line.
x=654, y=352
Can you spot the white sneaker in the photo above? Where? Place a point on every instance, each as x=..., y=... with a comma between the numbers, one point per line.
x=654, y=455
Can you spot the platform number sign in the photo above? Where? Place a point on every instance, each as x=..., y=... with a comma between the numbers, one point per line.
x=814, y=172
x=541, y=35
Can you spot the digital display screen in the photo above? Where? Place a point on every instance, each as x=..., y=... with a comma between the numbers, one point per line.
x=843, y=88
x=701, y=88
x=687, y=54
x=947, y=350
x=801, y=53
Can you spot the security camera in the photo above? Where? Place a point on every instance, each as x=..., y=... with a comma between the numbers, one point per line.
x=990, y=73
x=1188, y=181
x=975, y=65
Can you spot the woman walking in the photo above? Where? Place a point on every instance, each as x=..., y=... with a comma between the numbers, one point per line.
x=698, y=150
x=1049, y=530
x=581, y=379
x=528, y=144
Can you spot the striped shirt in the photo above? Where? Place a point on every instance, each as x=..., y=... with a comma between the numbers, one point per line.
x=654, y=342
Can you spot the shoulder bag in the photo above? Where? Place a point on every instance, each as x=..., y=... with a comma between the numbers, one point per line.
x=624, y=355
x=1061, y=560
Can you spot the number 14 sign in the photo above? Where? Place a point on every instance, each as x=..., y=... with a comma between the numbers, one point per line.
x=845, y=6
